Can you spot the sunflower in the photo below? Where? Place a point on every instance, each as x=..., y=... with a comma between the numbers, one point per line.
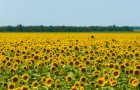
x=106, y=78
x=74, y=88
x=76, y=48
x=19, y=88
x=62, y=62
x=113, y=82
x=49, y=82
x=131, y=71
x=133, y=81
x=80, y=65
x=96, y=73
x=25, y=68
x=122, y=66
x=25, y=77
x=101, y=81
x=130, y=80
x=35, y=85
x=87, y=62
x=77, y=62
x=83, y=79
x=58, y=86
x=68, y=78
x=8, y=63
x=127, y=63
x=53, y=68
x=62, y=72
x=104, y=71
x=138, y=67
x=92, y=84
x=25, y=57
x=116, y=73
x=1, y=68
x=43, y=79
x=55, y=64
x=81, y=88
x=136, y=72
x=15, y=66
x=83, y=70
x=18, y=60
x=71, y=63
x=57, y=81
x=136, y=54
x=116, y=67
x=30, y=62
x=7, y=58
x=39, y=64
x=111, y=65
x=11, y=86
x=77, y=84
x=15, y=79
x=134, y=63
x=25, y=87
x=36, y=57
x=5, y=84
x=11, y=70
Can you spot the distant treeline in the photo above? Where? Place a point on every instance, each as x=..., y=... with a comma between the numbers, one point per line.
x=136, y=28
x=41, y=28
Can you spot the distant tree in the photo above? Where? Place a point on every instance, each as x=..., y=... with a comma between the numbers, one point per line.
x=19, y=28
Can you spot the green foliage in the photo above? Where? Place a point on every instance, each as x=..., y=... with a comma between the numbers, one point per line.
x=20, y=28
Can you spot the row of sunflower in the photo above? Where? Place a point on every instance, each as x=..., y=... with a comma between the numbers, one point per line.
x=76, y=61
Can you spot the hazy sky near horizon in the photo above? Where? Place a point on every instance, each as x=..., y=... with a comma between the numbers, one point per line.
x=70, y=12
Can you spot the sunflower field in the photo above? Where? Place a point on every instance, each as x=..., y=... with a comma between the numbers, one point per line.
x=69, y=61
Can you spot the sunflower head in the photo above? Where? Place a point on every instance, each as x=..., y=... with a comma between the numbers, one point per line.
x=25, y=77
x=11, y=86
x=43, y=79
x=8, y=63
x=83, y=79
x=83, y=70
x=96, y=73
x=77, y=84
x=116, y=73
x=92, y=84
x=81, y=88
x=136, y=72
x=104, y=71
x=106, y=78
x=25, y=87
x=53, y=68
x=68, y=78
x=111, y=65
x=131, y=71
x=5, y=84
x=11, y=70
x=35, y=85
x=15, y=79
x=58, y=86
x=25, y=68
x=101, y=81
x=74, y=88
x=49, y=82
x=71, y=63
x=133, y=81
x=113, y=82
x=19, y=88
x=15, y=66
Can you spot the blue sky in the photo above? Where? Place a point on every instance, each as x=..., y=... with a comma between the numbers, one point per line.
x=70, y=12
